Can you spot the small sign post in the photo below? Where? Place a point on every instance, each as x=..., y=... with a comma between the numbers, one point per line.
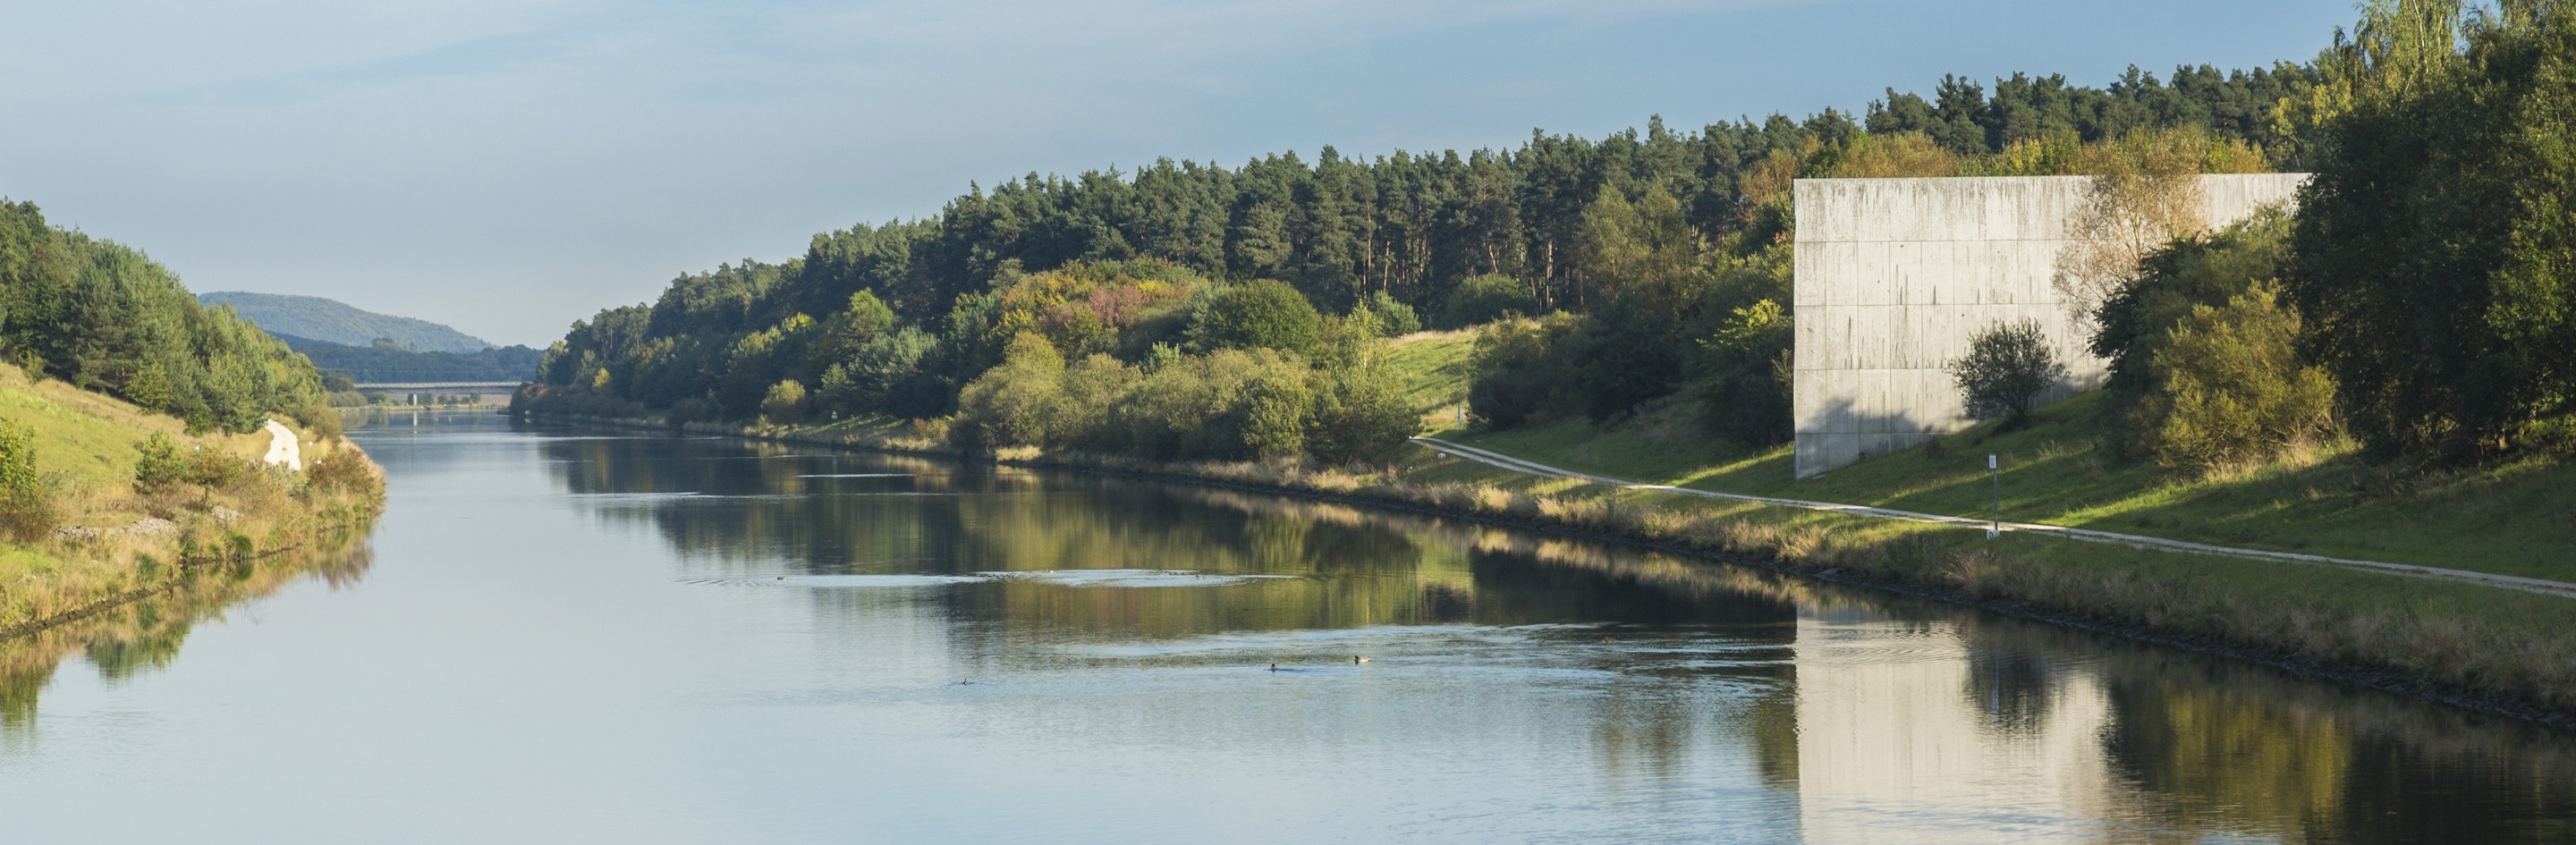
x=1996, y=475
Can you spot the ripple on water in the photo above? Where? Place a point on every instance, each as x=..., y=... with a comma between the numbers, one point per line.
x=1128, y=578
x=1132, y=577
x=843, y=581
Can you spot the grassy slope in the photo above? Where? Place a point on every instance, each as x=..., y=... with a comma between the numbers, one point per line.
x=89, y=438
x=85, y=442
x=1434, y=368
x=2517, y=519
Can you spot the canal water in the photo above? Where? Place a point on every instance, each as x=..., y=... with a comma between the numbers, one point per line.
x=562, y=635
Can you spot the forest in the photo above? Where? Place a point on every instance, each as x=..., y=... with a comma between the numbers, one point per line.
x=385, y=361
x=1645, y=274
x=105, y=317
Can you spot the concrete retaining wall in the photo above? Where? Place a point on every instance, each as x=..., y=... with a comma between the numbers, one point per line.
x=1895, y=275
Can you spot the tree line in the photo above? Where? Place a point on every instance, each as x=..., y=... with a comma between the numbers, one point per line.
x=386, y=361
x=1643, y=244
x=105, y=317
x=2421, y=299
x=2418, y=298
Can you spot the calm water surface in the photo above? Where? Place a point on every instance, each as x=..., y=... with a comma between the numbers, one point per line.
x=574, y=636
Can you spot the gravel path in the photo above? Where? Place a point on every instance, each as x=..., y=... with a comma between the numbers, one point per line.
x=282, y=448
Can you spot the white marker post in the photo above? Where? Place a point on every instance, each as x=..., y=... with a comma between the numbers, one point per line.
x=1997, y=475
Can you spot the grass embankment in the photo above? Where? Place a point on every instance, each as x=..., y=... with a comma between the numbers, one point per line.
x=118, y=543
x=2482, y=647
x=2517, y=518
x=1434, y=368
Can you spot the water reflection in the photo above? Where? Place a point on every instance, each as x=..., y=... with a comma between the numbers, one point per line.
x=139, y=637
x=641, y=637
x=1871, y=715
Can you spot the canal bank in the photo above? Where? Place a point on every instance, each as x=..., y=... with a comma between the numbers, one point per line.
x=2482, y=648
x=129, y=506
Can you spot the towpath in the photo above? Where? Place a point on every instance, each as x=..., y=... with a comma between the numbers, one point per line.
x=282, y=448
x=2510, y=582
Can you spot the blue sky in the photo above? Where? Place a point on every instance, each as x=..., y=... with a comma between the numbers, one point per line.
x=507, y=167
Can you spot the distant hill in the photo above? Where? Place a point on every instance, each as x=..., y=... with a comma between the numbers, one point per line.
x=332, y=321
x=384, y=362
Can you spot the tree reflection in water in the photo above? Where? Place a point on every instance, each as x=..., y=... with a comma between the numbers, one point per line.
x=1862, y=704
x=141, y=636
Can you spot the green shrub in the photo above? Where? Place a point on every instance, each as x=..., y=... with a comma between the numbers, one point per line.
x=212, y=468
x=27, y=512
x=785, y=402
x=2006, y=369
x=1230, y=404
x=1259, y=314
x=1519, y=376
x=1483, y=299
x=164, y=465
x=1012, y=404
x=161, y=465
x=321, y=420
x=1090, y=392
x=1745, y=384
x=2231, y=390
x=1393, y=318
x=1271, y=417
x=1360, y=417
x=884, y=373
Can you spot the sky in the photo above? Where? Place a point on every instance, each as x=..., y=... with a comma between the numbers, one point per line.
x=509, y=166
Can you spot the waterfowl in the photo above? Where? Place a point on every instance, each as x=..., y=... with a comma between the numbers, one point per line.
x=1358, y=659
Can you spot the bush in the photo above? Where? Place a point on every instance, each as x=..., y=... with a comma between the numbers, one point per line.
x=341, y=470
x=883, y=373
x=1360, y=417
x=1484, y=299
x=212, y=468
x=1393, y=318
x=1259, y=314
x=2208, y=270
x=1231, y=404
x=1518, y=374
x=1089, y=393
x=2007, y=367
x=2231, y=390
x=1745, y=389
x=161, y=467
x=27, y=512
x=1270, y=419
x=1012, y=404
x=785, y=403
x=321, y=420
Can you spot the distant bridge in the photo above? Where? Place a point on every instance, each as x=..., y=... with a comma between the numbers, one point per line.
x=440, y=386
x=426, y=392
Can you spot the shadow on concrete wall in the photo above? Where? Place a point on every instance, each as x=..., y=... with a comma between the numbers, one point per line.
x=1840, y=434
